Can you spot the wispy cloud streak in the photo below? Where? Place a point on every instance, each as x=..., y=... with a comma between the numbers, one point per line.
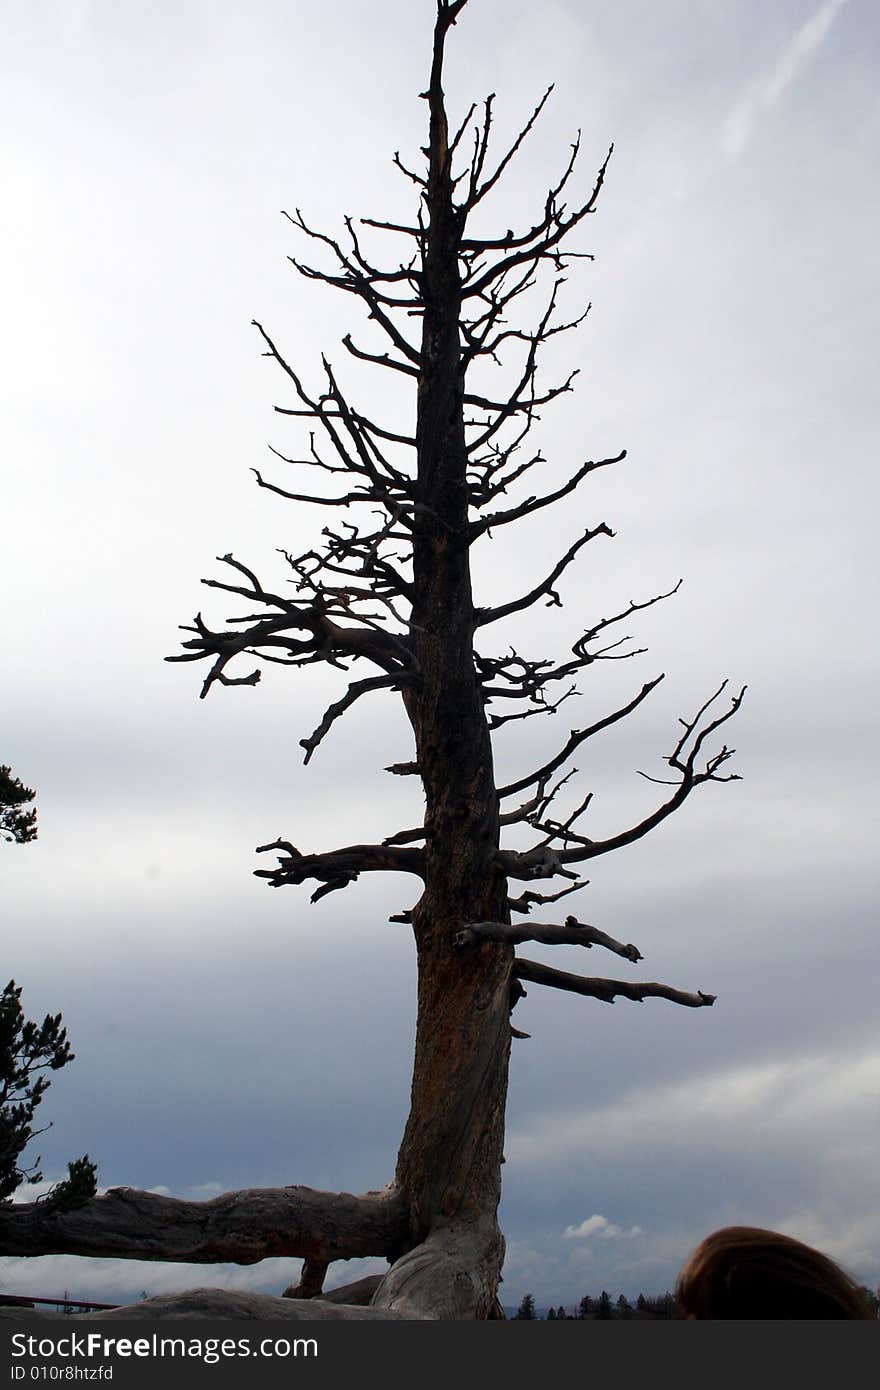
x=762, y=94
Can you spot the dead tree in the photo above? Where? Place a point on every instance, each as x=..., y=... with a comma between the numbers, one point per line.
x=388, y=589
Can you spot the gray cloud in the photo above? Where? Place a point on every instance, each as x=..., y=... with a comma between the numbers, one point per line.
x=728, y=349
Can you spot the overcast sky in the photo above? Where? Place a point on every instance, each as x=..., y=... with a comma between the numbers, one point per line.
x=230, y=1036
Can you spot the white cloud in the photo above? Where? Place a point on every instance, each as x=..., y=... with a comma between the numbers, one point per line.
x=762, y=94
x=597, y=1225
x=204, y=1191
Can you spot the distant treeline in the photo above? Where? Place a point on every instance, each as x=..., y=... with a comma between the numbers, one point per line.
x=603, y=1309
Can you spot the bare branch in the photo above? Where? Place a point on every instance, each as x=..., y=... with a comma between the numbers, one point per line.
x=360, y=420
x=337, y=868
x=547, y=240
x=454, y=142
x=526, y=901
x=354, y=692
x=327, y=642
x=573, y=933
x=314, y=461
x=579, y=736
x=493, y=615
x=391, y=227
x=356, y=281
x=358, y=276
x=476, y=193
x=527, y=810
x=580, y=648
x=528, y=679
x=380, y=359
x=523, y=399
x=526, y=864
x=534, y=504
x=510, y=241
x=561, y=830
x=542, y=861
x=514, y=404
x=484, y=346
x=686, y=767
x=416, y=178
x=606, y=990
x=542, y=706
x=407, y=837
x=361, y=495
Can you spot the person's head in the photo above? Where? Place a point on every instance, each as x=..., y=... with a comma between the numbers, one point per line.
x=742, y=1272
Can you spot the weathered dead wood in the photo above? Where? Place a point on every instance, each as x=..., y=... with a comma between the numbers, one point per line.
x=359, y=1293
x=237, y=1227
x=336, y=868
x=452, y=1275
x=192, y=1304
x=606, y=990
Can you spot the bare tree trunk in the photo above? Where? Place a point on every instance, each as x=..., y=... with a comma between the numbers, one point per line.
x=449, y=1165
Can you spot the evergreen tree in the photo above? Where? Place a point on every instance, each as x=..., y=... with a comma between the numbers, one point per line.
x=27, y=1051
x=603, y=1310
x=561, y=1315
x=661, y=1306
x=526, y=1310
x=623, y=1307
x=16, y=824
x=551, y=1315
x=585, y=1307
x=641, y=1303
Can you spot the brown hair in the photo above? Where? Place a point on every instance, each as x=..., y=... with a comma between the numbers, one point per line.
x=743, y=1272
